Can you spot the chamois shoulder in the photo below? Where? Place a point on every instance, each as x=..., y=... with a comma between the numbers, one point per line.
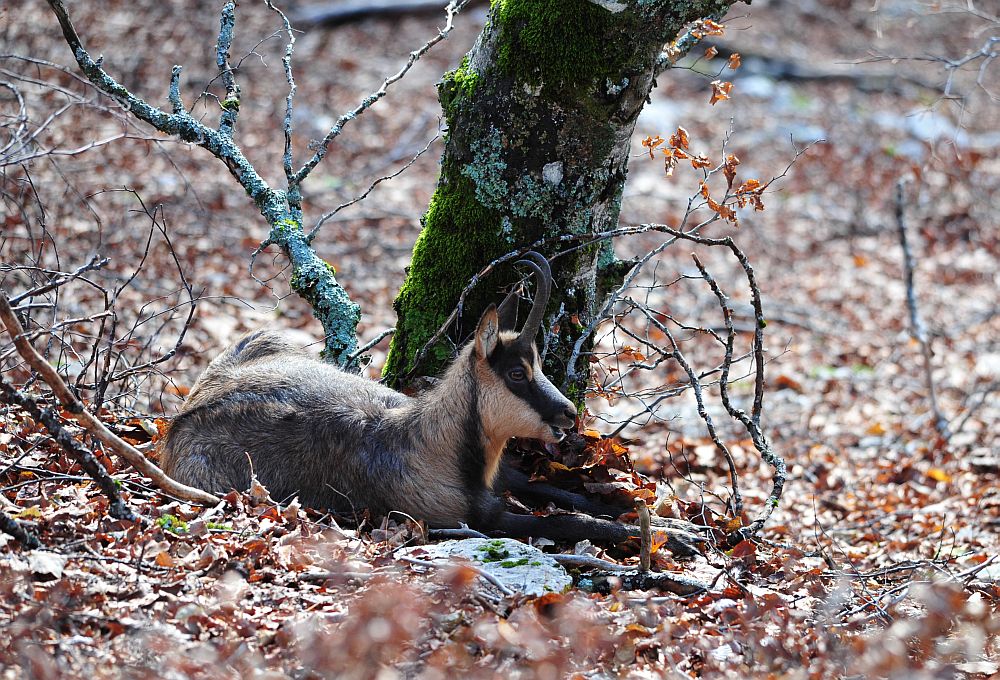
x=257, y=345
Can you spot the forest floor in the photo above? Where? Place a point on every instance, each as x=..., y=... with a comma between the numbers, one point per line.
x=883, y=557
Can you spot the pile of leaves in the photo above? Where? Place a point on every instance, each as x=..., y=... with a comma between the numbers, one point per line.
x=254, y=589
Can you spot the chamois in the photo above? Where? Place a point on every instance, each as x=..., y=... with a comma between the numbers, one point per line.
x=337, y=440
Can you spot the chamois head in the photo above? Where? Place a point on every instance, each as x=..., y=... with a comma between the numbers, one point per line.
x=516, y=399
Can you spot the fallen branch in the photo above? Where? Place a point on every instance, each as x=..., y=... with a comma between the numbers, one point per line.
x=605, y=582
x=83, y=455
x=11, y=526
x=89, y=421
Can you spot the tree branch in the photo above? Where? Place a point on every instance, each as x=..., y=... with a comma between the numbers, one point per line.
x=11, y=526
x=95, y=427
x=312, y=278
x=453, y=8
x=917, y=328
x=231, y=104
x=83, y=456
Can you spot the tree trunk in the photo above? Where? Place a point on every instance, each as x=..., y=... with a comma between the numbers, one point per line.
x=540, y=114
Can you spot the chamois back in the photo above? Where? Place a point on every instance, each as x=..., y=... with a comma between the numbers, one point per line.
x=265, y=407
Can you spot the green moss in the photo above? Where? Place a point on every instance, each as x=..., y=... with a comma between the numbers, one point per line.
x=458, y=234
x=563, y=46
x=172, y=523
x=457, y=86
x=510, y=564
x=494, y=551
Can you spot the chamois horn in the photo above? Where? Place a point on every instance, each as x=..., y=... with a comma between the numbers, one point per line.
x=543, y=278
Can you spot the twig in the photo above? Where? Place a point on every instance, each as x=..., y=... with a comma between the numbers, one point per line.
x=464, y=532
x=96, y=262
x=371, y=343
x=917, y=328
x=482, y=572
x=727, y=314
x=371, y=187
x=90, y=422
x=645, y=535
x=83, y=456
x=453, y=8
x=25, y=536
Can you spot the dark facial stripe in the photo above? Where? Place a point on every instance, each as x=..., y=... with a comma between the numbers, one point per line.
x=472, y=458
x=540, y=395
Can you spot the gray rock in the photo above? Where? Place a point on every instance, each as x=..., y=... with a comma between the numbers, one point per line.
x=518, y=566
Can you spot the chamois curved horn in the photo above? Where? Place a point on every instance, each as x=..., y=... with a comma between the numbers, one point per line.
x=543, y=277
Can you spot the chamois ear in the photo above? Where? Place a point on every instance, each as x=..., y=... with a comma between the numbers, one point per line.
x=507, y=311
x=487, y=332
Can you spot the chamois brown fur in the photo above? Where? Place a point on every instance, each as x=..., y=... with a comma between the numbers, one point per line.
x=336, y=440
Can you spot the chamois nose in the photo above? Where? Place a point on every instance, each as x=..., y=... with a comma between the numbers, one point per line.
x=570, y=412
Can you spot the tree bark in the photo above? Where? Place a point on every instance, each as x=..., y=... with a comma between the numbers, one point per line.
x=540, y=114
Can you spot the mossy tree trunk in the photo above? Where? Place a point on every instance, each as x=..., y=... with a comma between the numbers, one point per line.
x=540, y=114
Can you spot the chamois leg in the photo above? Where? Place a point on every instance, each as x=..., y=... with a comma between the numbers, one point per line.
x=576, y=527
x=518, y=483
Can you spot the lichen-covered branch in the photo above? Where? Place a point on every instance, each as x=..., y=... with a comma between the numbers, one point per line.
x=312, y=278
x=231, y=104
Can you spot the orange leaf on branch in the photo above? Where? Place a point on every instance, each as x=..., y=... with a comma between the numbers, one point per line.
x=652, y=143
x=750, y=192
x=724, y=211
x=680, y=138
x=700, y=161
x=720, y=90
x=669, y=162
x=705, y=27
x=729, y=170
x=734, y=60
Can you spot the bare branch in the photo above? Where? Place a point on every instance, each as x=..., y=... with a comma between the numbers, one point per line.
x=94, y=426
x=453, y=8
x=286, y=62
x=917, y=327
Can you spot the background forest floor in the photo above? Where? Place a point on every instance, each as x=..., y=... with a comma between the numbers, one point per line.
x=881, y=556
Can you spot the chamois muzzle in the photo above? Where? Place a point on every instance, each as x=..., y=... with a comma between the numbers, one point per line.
x=560, y=413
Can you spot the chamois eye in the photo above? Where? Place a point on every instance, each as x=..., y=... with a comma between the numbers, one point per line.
x=516, y=374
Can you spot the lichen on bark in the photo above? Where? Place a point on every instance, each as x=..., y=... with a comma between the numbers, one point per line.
x=540, y=113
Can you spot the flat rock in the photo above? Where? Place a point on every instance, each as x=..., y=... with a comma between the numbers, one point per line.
x=520, y=567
